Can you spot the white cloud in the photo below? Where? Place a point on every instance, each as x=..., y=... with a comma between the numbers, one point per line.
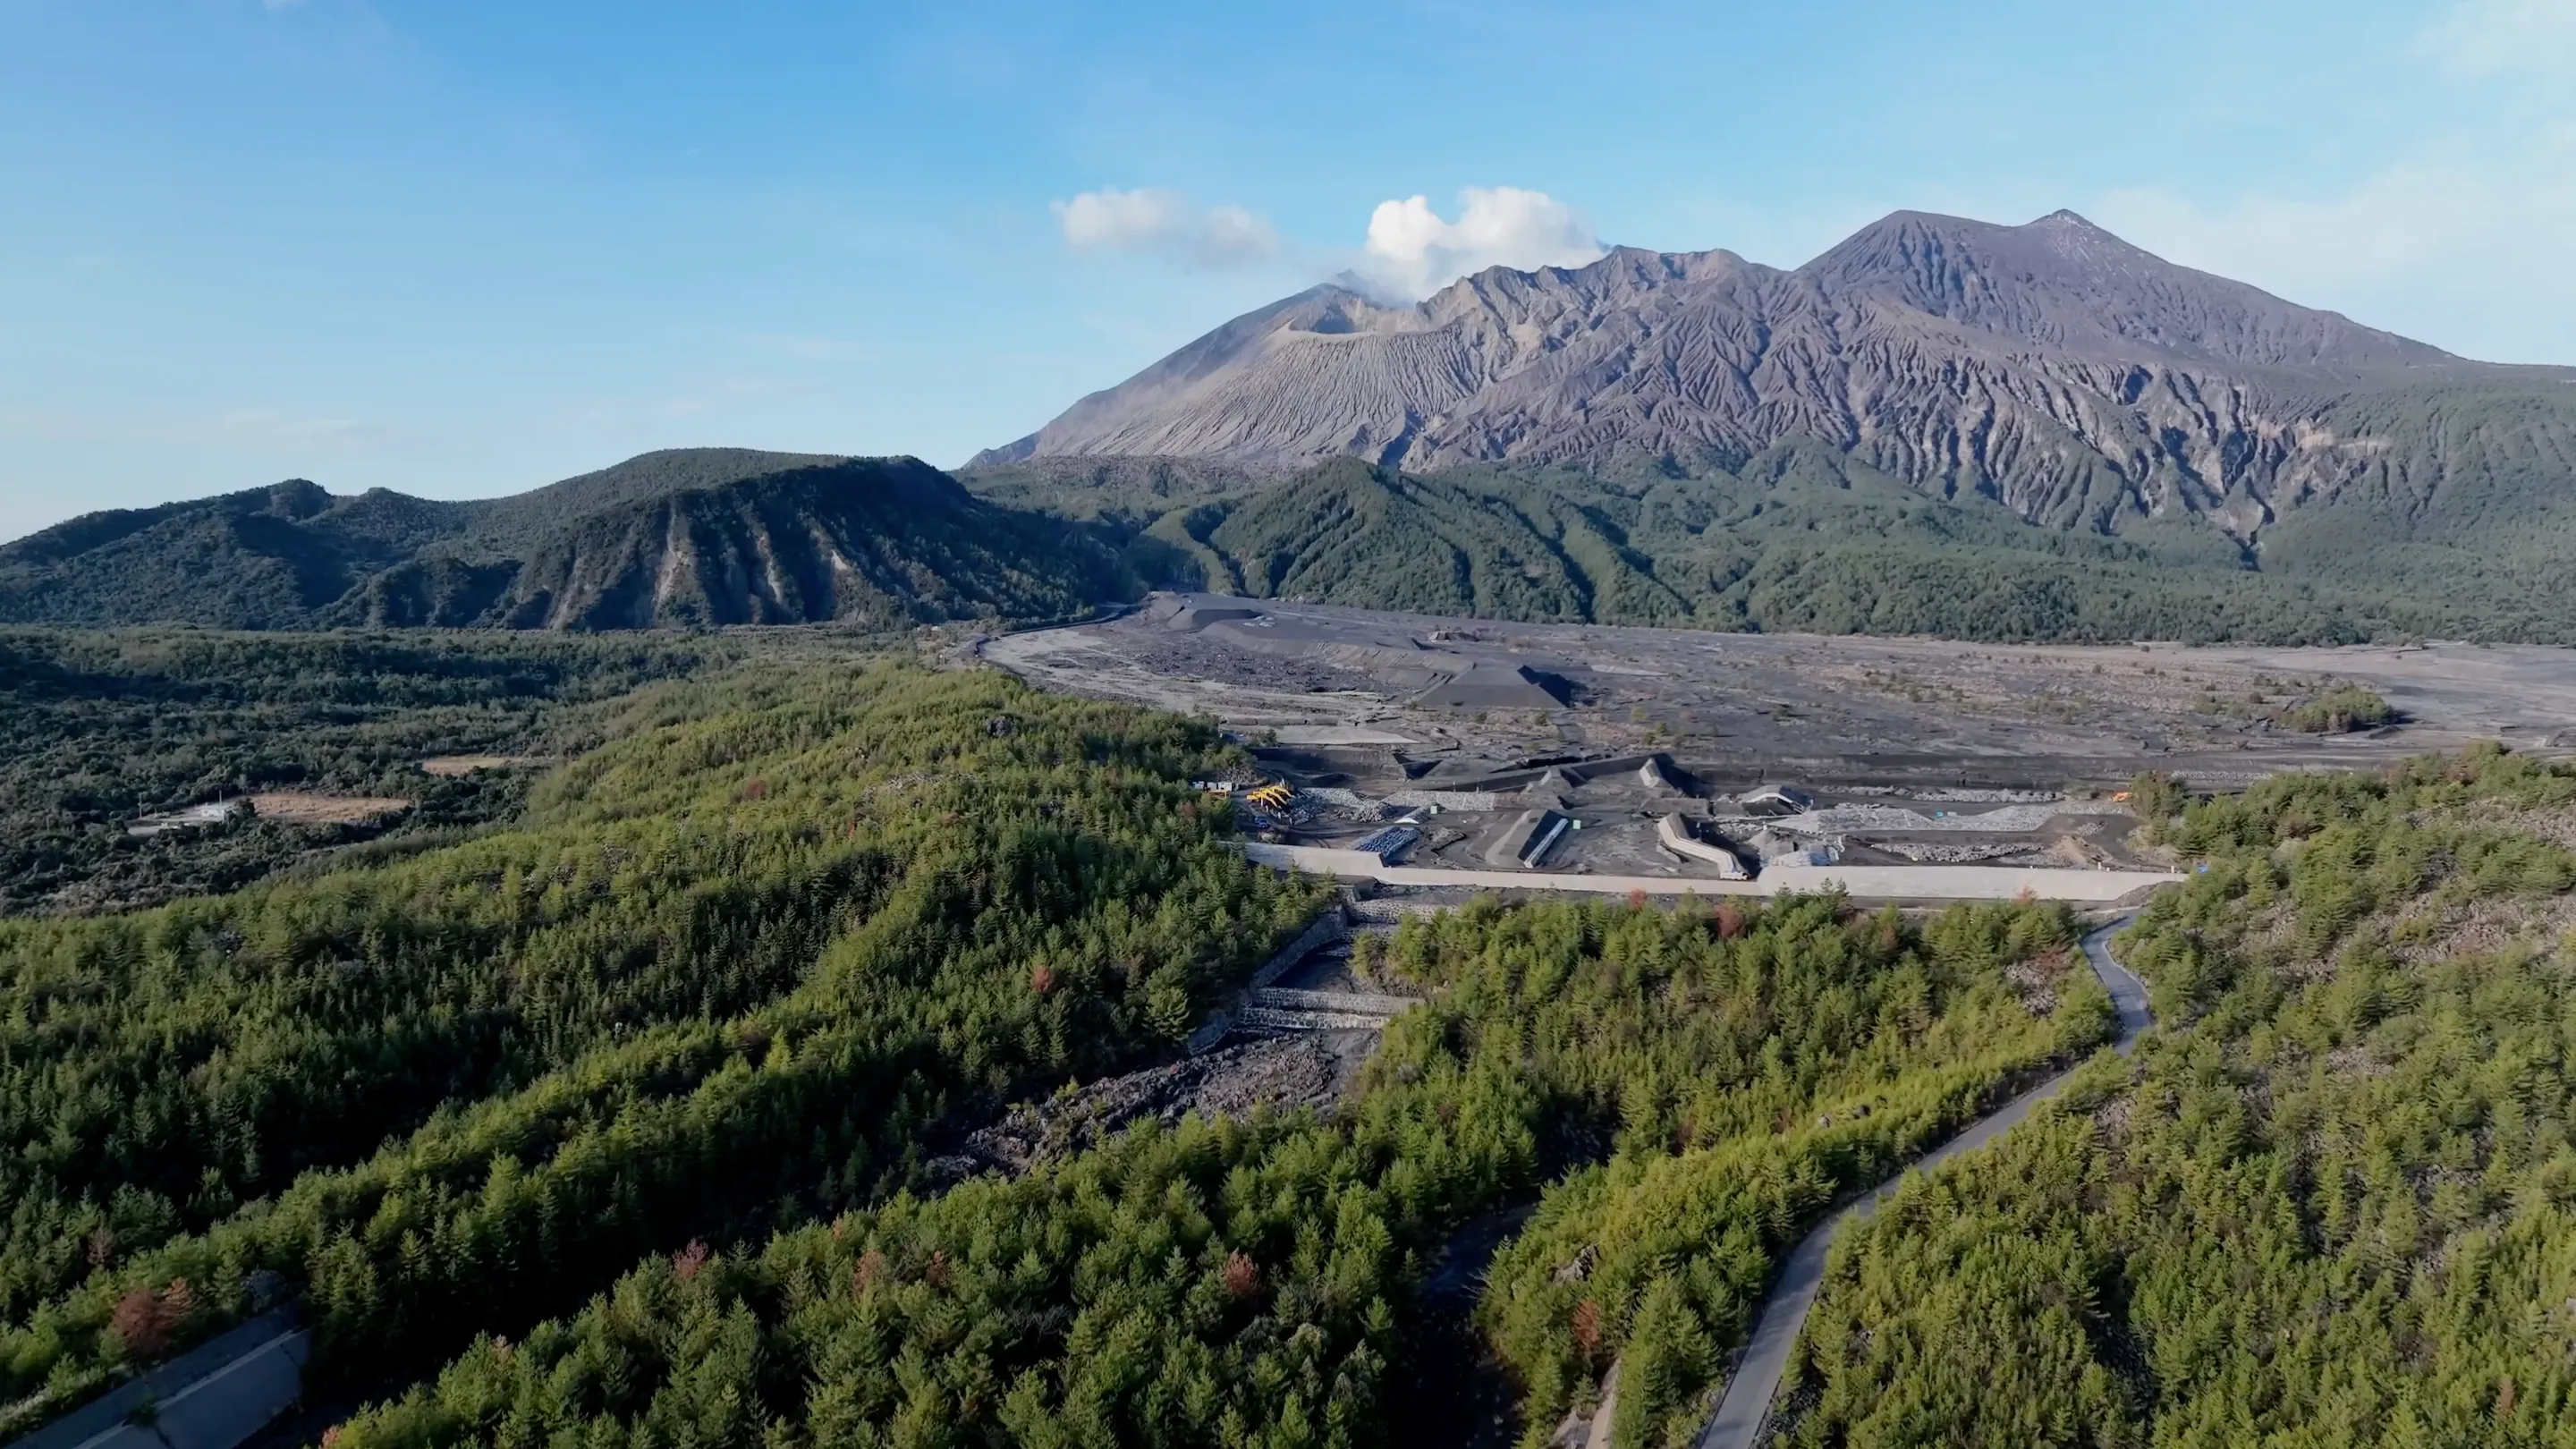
x=1166, y=224
x=1413, y=250
x=1232, y=236
x=1113, y=220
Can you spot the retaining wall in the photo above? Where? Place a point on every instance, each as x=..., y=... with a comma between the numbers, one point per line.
x=1871, y=882
x=1330, y=926
x=1360, y=1003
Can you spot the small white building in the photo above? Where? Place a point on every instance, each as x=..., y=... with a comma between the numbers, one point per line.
x=193, y=817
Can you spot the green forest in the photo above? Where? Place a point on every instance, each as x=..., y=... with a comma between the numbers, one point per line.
x=660, y=1061
x=2334, y=1203
x=1245, y=1282
x=1805, y=537
x=611, y=1117
x=98, y=729
x=721, y=969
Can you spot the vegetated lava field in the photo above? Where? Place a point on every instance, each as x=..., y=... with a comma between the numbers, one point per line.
x=1448, y=698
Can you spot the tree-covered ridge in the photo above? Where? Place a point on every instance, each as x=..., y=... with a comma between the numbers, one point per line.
x=2332, y=1205
x=1803, y=534
x=1805, y=537
x=1654, y=1263
x=690, y=538
x=1246, y=1282
x=747, y=962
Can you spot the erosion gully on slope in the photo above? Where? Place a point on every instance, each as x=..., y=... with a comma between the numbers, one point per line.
x=1745, y=1411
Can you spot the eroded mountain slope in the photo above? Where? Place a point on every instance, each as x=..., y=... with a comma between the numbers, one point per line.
x=2080, y=381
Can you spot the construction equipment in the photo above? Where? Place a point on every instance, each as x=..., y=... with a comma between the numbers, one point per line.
x=1273, y=796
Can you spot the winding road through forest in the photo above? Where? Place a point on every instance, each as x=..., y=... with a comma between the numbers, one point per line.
x=1745, y=1410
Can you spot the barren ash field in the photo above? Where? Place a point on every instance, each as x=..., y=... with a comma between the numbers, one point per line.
x=1910, y=751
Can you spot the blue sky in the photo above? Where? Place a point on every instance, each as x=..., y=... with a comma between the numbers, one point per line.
x=465, y=248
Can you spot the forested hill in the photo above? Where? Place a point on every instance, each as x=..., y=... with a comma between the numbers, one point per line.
x=1805, y=537
x=622, y=1124
x=638, y=1097
x=690, y=538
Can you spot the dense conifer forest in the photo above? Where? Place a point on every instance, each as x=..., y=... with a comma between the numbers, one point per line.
x=97, y=729
x=610, y=1118
x=722, y=969
x=2332, y=1205
x=1241, y=1282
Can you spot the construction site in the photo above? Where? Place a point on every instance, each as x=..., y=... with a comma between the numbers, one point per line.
x=1413, y=755
x=1648, y=823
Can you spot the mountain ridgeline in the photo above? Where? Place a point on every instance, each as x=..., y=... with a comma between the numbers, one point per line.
x=2128, y=431
x=2078, y=380
x=690, y=538
x=1939, y=426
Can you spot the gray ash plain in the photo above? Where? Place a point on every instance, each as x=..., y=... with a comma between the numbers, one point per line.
x=1384, y=700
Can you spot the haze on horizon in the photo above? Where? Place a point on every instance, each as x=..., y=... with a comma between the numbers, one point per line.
x=464, y=250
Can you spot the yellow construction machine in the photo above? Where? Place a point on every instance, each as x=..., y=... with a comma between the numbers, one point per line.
x=1273, y=796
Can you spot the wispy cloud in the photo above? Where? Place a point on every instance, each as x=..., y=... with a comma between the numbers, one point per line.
x=727, y=391
x=699, y=399
x=1415, y=251
x=265, y=425
x=1167, y=224
x=2461, y=239
x=2496, y=37
x=2448, y=210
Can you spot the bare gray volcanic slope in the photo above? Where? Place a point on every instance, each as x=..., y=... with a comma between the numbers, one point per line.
x=2052, y=366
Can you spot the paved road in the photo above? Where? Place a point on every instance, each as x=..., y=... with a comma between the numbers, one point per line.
x=1746, y=1408
x=212, y=1397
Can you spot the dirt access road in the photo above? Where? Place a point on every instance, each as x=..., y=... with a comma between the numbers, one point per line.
x=1746, y=1409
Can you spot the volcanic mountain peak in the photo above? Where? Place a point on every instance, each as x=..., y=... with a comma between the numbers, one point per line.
x=2051, y=366
x=2063, y=282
